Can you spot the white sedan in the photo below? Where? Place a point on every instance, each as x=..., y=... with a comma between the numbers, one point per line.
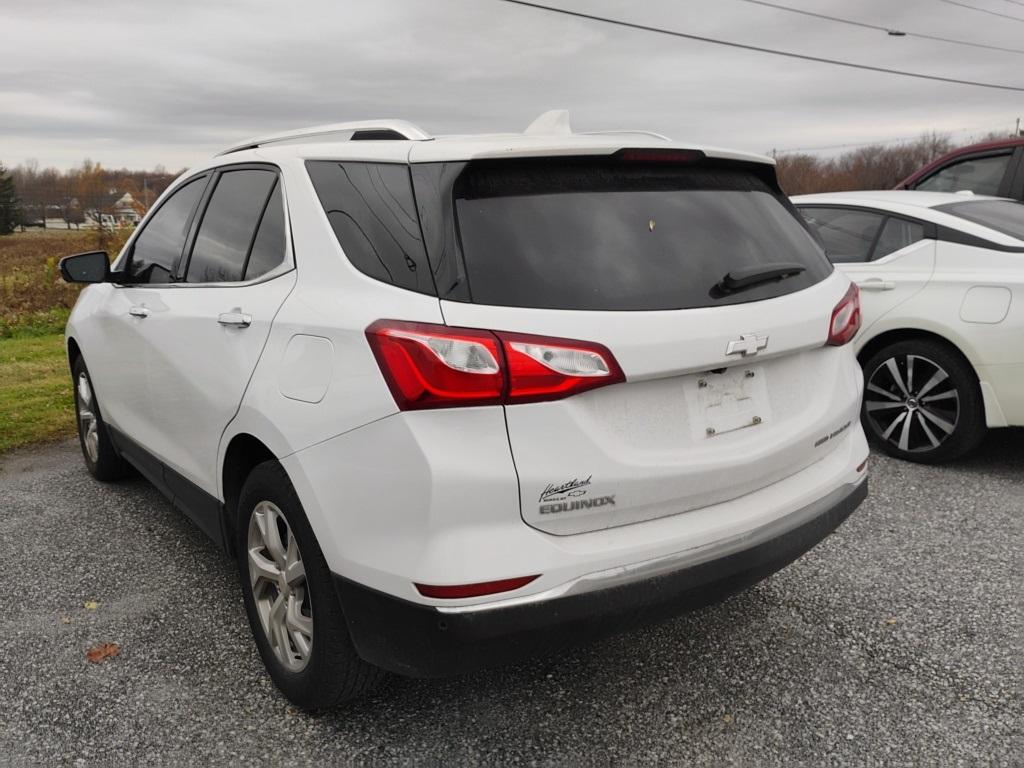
x=942, y=290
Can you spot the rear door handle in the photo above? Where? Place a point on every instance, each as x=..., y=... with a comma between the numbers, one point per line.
x=235, y=318
x=876, y=284
x=138, y=311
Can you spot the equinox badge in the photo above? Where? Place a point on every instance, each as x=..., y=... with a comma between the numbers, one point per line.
x=748, y=345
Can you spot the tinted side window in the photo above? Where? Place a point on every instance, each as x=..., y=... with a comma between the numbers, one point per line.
x=897, y=234
x=981, y=175
x=228, y=226
x=158, y=247
x=268, y=248
x=847, y=234
x=372, y=211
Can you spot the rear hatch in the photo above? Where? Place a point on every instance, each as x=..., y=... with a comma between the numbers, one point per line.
x=728, y=387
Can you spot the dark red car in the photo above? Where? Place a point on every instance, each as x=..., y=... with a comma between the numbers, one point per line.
x=991, y=168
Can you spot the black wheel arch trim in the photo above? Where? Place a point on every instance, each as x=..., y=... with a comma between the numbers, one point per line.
x=896, y=335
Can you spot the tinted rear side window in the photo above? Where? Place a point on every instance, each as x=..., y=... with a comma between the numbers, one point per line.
x=228, y=226
x=1006, y=216
x=600, y=235
x=846, y=234
x=372, y=211
x=896, y=235
x=268, y=249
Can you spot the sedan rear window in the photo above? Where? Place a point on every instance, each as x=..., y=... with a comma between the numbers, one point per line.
x=1006, y=216
x=600, y=235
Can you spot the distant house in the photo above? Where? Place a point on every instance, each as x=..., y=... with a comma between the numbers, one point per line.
x=118, y=210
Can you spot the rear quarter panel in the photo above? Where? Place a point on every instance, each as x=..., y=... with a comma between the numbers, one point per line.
x=948, y=308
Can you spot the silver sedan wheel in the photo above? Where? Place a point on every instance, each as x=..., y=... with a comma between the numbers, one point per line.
x=277, y=578
x=88, y=427
x=912, y=403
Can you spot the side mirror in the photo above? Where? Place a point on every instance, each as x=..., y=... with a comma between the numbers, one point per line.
x=91, y=267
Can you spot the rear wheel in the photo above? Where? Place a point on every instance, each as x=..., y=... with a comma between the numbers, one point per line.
x=922, y=402
x=98, y=451
x=289, y=595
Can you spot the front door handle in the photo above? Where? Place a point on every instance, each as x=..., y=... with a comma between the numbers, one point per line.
x=235, y=318
x=876, y=284
x=138, y=311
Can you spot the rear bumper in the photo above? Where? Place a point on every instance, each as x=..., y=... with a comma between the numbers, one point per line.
x=1003, y=389
x=428, y=641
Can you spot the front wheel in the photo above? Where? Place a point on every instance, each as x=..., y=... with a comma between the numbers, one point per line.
x=98, y=451
x=289, y=596
x=922, y=402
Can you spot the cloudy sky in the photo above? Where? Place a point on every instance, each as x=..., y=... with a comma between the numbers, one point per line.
x=143, y=83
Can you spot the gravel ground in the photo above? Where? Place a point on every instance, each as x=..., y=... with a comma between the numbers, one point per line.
x=899, y=640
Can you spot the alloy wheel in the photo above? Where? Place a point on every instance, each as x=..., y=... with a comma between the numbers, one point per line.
x=277, y=578
x=88, y=426
x=912, y=403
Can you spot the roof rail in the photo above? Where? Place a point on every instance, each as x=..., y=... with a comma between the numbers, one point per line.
x=375, y=129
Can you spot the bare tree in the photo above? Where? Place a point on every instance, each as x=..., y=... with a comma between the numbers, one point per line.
x=872, y=167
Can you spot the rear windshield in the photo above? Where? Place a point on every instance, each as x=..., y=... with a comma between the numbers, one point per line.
x=1006, y=216
x=601, y=235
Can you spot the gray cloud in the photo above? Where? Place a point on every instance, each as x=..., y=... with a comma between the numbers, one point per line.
x=133, y=83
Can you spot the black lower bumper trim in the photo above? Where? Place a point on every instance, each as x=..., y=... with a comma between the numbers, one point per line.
x=420, y=641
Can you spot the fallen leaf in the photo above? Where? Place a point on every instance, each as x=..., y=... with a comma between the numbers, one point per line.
x=65, y=619
x=102, y=651
x=727, y=717
x=91, y=605
x=890, y=621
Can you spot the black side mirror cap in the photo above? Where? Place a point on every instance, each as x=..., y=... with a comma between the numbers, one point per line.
x=90, y=267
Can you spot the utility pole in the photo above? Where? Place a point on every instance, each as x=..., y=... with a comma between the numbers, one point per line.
x=1018, y=128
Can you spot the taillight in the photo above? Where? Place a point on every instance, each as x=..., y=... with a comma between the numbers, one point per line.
x=541, y=368
x=845, y=321
x=437, y=366
x=431, y=366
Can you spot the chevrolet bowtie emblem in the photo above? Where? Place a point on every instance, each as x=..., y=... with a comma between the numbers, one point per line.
x=748, y=344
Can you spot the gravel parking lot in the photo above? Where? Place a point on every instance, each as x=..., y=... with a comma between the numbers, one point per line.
x=899, y=640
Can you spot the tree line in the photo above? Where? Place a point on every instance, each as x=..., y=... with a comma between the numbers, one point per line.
x=31, y=196
x=876, y=166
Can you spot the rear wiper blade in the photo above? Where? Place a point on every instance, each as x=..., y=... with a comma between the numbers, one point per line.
x=747, y=277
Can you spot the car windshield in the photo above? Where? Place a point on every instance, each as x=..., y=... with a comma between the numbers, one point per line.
x=603, y=236
x=1006, y=216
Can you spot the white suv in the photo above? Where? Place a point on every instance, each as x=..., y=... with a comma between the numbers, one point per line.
x=452, y=401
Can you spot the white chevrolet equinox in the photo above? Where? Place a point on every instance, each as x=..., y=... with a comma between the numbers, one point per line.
x=454, y=401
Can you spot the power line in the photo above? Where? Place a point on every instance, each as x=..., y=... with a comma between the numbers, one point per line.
x=759, y=49
x=1015, y=2
x=982, y=10
x=887, y=30
x=877, y=142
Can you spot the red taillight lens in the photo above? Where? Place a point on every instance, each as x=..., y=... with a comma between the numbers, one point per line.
x=845, y=321
x=455, y=591
x=434, y=366
x=542, y=368
x=437, y=366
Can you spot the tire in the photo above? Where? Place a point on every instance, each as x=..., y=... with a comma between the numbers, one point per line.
x=101, y=459
x=922, y=402
x=305, y=644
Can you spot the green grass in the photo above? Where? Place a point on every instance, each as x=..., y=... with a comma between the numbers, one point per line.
x=35, y=388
